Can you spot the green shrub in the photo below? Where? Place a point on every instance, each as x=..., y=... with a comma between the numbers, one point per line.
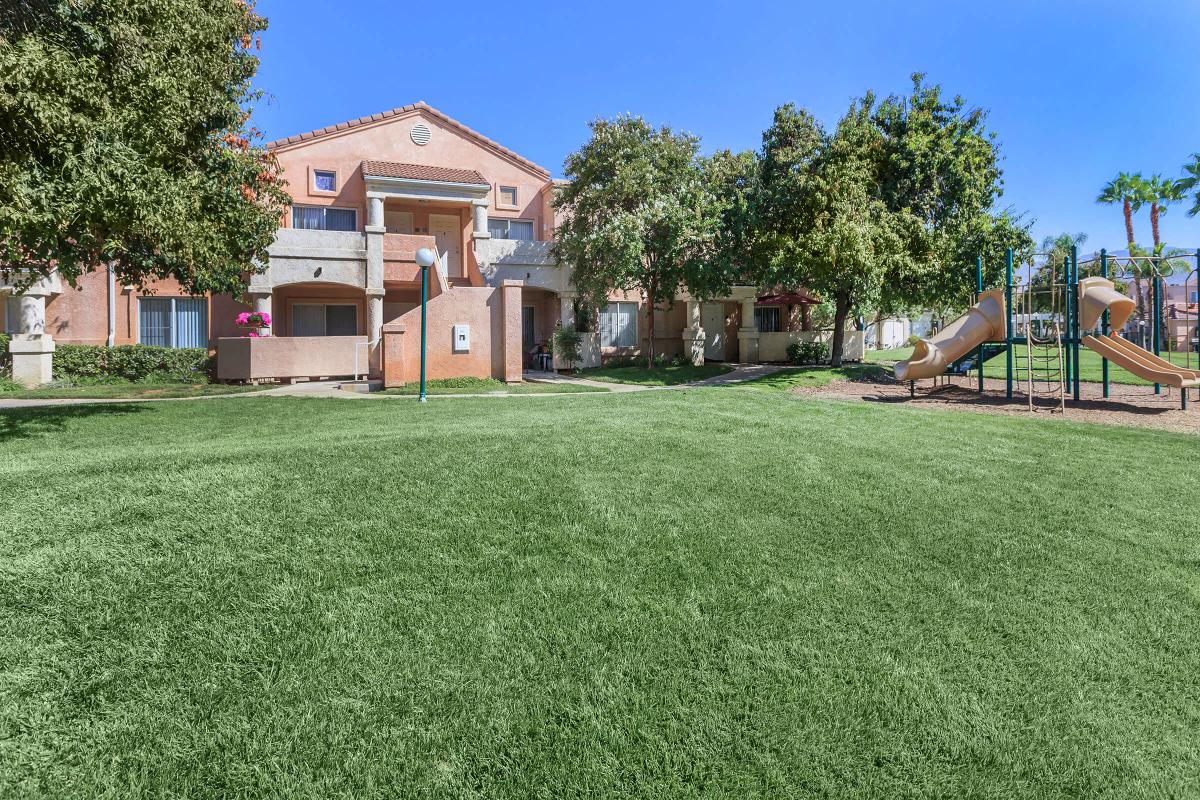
x=567, y=343
x=913, y=340
x=131, y=362
x=807, y=352
x=5, y=356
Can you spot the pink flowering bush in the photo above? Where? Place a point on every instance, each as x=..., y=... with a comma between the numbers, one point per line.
x=254, y=319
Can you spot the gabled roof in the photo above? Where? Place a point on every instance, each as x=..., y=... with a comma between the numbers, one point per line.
x=419, y=172
x=421, y=106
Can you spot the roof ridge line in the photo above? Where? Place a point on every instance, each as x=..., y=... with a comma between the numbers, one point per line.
x=395, y=112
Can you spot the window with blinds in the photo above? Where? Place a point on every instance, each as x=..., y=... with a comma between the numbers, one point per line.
x=324, y=319
x=519, y=229
x=322, y=218
x=618, y=325
x=173, y=321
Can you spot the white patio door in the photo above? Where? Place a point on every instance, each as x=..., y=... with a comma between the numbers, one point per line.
x=447, y=229
x=712, y=319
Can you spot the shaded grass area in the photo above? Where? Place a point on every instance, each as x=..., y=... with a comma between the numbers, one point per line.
x=468, y=385
x=888, y=356
x=671, y=375
x=692, y=593
x=814, y=377
x=118, y=390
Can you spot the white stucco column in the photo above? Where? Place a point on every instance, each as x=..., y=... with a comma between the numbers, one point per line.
x=375, y=330
x=262, y=304
x=748, y=333
x=479, y=219
x=693, y=335
x=375, y=211
x=373, y=280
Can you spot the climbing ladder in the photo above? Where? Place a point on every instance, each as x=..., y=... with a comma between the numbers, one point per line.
x=1042, y=364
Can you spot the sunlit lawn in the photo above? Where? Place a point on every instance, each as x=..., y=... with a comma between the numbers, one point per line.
x=671, y=375
x=695, y=593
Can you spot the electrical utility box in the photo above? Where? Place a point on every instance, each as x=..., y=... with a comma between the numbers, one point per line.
x=462, y=338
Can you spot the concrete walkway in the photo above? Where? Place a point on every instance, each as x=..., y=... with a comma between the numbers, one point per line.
x=329, y=389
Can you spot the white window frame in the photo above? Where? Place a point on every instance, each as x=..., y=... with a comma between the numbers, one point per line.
x=173, y=341
x=324, y=210
x=508, y=221
x=516, y=193
x=317, y=173
x=610, y=335
x=762, y=312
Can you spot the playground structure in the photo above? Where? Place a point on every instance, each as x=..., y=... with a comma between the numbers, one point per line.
x=1042, y=323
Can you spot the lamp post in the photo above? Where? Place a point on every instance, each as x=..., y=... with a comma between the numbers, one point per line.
x=425, y=259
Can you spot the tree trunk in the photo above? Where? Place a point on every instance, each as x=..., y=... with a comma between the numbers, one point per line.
x=1154, y=224
x=651, y=297
x=1127, y=208
x=840, y=313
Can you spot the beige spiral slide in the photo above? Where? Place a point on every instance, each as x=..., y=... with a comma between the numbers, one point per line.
x=1097, y=295
x=983, y=322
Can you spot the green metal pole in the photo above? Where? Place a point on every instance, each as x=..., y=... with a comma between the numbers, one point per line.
x=979, y=291
x=1067, y=314
x=1076, y=334
x=1104, y=319
x=424, y=297
x=1008, y=323
x=1155, y=316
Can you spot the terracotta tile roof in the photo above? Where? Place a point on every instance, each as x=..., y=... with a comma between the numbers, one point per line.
x=419, y=172
x=395, y=112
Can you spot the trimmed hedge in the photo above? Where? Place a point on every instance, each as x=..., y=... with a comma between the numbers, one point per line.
x=132, y=362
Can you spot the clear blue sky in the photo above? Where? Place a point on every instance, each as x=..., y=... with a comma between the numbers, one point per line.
x=1076, y=89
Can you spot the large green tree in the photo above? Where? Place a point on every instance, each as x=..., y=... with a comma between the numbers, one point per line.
x=641, y=215
x=125, y=140
x=942, y=165
x=832, y=231
x=889, y=210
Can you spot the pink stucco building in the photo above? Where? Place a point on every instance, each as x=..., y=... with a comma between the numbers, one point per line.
x=343, y=288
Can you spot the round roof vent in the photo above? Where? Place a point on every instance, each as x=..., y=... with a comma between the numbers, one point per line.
x=419, y=134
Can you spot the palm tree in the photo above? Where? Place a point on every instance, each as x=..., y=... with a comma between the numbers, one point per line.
x=1123, y=189
x=1127, y=189
x=1190, y=182
x=1159, y=193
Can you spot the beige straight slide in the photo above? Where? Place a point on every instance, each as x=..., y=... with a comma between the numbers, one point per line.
x=1097, y=295
x=983, y=322
x=1141, y=363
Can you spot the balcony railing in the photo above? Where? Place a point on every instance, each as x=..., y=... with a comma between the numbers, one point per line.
x=512, y=259
x=279, y=357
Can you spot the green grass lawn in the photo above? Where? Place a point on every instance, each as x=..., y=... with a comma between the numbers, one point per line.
x=888, y=356
x=672, y=375
x=670, y=594
x=119, y=390
x=488, y=386
x=813, y=377
x=1090, y=365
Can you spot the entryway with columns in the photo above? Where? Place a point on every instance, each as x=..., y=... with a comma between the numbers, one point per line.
x=701, y=342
